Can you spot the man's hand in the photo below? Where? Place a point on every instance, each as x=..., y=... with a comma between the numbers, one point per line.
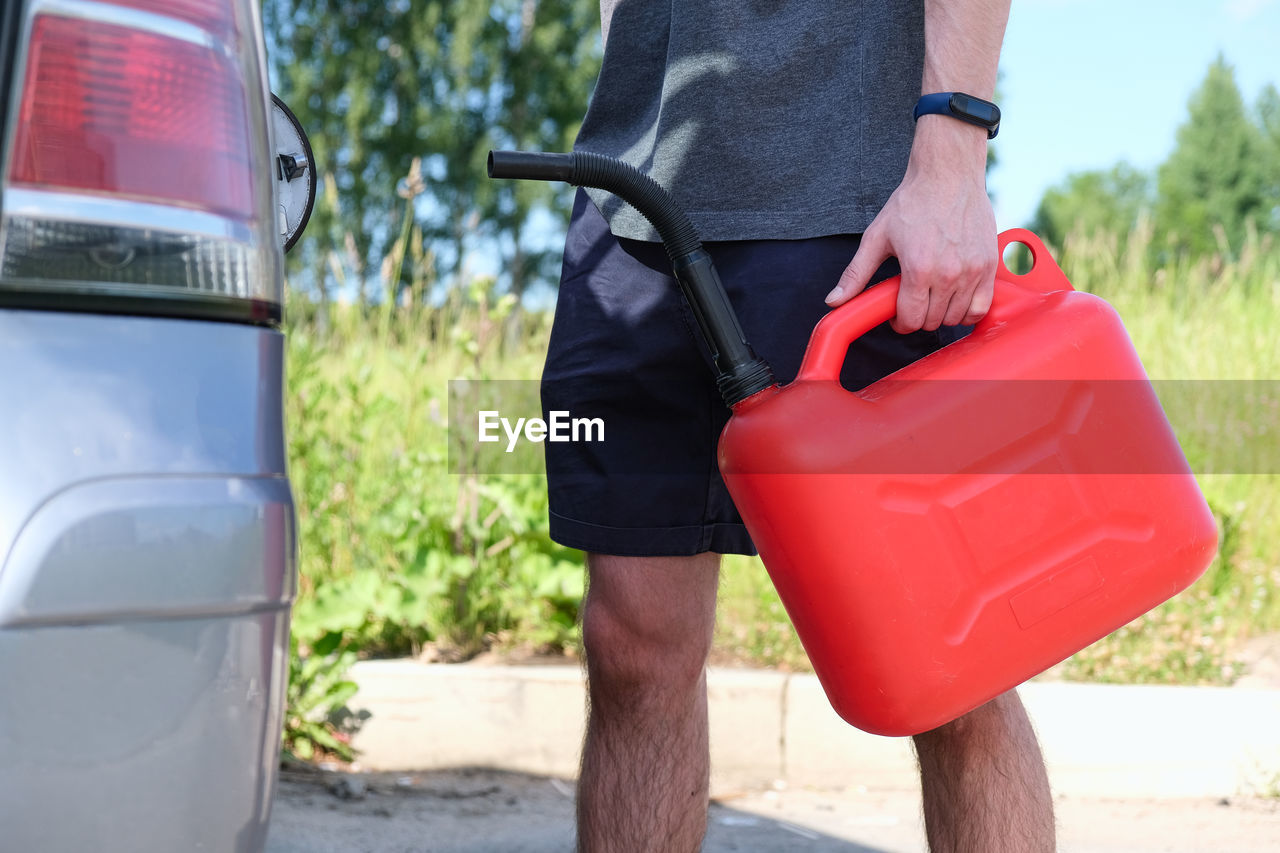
x=939, y=225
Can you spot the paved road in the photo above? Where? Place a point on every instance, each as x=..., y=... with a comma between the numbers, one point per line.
x=487, y=811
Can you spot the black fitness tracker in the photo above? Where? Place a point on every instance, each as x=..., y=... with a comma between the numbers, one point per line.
x=964, y=107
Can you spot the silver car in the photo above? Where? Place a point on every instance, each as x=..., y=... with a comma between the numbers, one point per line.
x=146, y=523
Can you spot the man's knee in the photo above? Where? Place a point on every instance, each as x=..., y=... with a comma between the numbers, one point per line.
x=647, y=623
x=997, y=720
x=623, y=654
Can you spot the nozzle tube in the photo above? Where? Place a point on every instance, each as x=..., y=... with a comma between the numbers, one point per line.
x=585, y=169
x=531, y=165
x=741, y=372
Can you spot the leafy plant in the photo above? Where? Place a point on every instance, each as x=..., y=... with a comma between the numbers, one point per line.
x=317, y=689
x=399, y=548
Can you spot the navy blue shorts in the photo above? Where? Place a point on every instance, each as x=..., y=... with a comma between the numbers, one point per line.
x=625, y=349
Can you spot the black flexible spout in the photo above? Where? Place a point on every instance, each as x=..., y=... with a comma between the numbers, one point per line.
x=741, y=372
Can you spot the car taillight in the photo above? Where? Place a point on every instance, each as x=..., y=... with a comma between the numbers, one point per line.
x=138, y=166
x=112, y=110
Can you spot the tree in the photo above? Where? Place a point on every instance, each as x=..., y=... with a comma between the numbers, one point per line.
x=1212, y=184
x=550, y=64
x=1268, y=110
x=377, y=83
x=1087, y=203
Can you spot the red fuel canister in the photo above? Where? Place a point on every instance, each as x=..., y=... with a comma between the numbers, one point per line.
x=978, y=516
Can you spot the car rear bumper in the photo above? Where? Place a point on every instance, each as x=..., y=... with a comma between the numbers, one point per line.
x=147, y=568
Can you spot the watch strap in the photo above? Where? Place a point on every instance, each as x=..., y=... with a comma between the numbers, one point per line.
x=958, y=105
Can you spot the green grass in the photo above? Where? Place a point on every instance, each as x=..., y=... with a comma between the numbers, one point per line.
x=752, y=628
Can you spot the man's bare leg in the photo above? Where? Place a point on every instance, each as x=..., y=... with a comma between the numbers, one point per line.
x=984, y=784
x=647, y=626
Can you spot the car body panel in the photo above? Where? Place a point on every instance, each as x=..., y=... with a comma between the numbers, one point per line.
x=141, y=736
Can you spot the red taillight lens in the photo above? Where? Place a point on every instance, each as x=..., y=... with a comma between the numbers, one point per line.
x=127, y=112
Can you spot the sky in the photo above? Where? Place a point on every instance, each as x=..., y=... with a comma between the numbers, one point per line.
x=1088, y=83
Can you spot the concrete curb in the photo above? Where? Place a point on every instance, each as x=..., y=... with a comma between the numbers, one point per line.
x=1099, y=740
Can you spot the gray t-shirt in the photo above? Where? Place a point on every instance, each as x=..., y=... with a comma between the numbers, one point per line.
x=765, y=119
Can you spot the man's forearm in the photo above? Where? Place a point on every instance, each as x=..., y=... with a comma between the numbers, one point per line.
x=962, y=41
x=939, y=222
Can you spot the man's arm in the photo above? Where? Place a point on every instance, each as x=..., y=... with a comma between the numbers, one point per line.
x=939, y=223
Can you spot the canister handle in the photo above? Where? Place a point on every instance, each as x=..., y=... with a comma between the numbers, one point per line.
x=875, y=305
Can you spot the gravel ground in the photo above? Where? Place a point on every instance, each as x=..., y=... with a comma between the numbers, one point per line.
x=489, y=811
